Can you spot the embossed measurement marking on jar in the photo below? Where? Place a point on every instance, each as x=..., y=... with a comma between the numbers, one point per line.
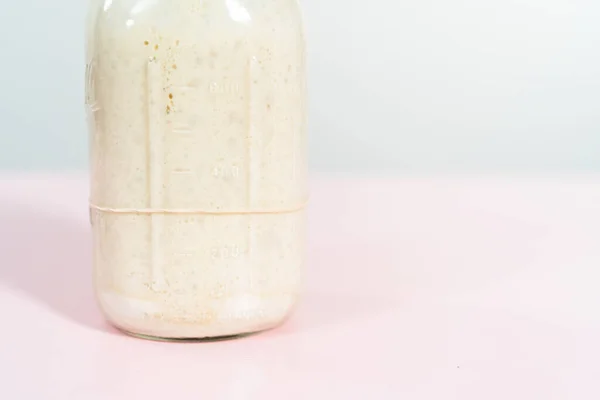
x=231, y=252
x=183, y=254
x=165, y=126
x=94, y=107
x=182, y=130
x=224, y=88
x=254, y=138
x=182, y=171
x=185, y=88
x=231, y=172
x=156, y=174
x=253, y=150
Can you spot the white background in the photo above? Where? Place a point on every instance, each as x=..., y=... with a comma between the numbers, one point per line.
x=396, y=86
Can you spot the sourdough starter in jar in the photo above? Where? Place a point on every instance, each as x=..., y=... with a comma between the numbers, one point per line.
x=199, y=175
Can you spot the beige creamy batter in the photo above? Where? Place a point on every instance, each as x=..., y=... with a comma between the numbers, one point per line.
x=199, y=168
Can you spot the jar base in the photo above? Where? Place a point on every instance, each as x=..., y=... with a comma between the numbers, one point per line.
x=129, y=316
x=189, y=340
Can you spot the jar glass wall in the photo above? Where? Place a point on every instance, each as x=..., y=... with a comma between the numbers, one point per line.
x=197, y=113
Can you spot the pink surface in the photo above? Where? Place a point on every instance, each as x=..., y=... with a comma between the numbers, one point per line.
x=471, y=289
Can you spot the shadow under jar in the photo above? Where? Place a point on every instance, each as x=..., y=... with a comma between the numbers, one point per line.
x=197, y=114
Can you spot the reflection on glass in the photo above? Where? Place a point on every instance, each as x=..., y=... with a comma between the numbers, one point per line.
x=237, y=12
x=142, y=5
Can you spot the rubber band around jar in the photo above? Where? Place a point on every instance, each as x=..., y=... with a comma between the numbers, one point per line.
x=195, y=211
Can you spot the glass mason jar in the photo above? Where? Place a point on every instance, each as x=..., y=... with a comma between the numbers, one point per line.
x=197, y=113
